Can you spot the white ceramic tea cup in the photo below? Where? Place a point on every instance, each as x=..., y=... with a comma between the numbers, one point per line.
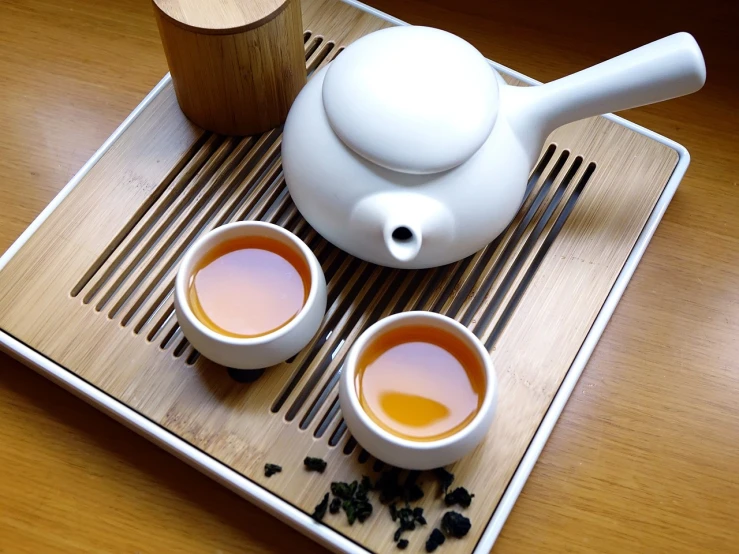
x=266, y=350
x=407, y=453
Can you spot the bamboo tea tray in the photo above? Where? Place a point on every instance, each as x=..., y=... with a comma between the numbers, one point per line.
x=86, y=299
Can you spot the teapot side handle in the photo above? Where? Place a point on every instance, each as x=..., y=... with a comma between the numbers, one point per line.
x=662, y=70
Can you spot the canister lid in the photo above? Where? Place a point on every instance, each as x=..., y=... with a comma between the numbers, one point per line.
x=220, y=16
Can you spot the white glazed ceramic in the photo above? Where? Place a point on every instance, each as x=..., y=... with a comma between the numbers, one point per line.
x=259, y=352
x=405, y=453
x=410, y=151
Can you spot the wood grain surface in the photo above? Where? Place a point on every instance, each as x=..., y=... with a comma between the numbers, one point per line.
x=219, y=16
x=645, y=455
x=223, y=82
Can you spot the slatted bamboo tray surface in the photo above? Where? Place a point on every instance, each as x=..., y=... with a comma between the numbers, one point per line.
x=92, y=291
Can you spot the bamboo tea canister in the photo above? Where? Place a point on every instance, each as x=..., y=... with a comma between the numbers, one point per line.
x=236, y=65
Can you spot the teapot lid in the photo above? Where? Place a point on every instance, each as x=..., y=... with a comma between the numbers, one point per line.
x=411, y=99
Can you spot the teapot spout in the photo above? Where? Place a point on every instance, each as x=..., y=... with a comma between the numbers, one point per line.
x=403, y=229
x=403, y=240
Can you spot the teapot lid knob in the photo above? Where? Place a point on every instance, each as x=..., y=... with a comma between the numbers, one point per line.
x=411, y=99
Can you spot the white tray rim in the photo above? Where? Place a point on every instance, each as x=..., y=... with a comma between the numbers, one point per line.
x=253, y=492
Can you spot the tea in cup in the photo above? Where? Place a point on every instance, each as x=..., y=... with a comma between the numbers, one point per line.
x=418, y=390
x=249, y=295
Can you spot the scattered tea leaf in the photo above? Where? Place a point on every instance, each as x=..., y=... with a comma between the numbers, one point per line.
x=350, y=510
x=459, y=496
x=403, y=544
x=365, y=486
x=352, y=497
x=363, y=509
x=455, y=524
x=435, y=540
x=335, y=506
x=271, y=469
x=407, y=518
x=314, y=464
x=343, y=490
x=320, y=510
x=445, y=478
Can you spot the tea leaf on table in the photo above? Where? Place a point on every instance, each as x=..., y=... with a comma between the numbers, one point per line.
x=343, y=490
x=351, y=512
x=353, y=499
x=365, y=486
x=364, y=510
x=459, y=496
x=314, y=464
x=320, y=510
x=455, y=524
x=407, y=517
x=435, y=540
x=271, y=469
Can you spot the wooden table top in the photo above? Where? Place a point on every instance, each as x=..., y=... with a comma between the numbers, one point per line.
x=646, y=454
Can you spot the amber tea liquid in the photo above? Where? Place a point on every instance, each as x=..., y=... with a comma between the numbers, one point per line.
x=247, y=287
x=420, y=382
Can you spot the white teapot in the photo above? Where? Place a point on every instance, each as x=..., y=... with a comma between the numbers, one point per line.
x=410, y=151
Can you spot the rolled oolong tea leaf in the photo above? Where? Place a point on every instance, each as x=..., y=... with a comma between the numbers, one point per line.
x=455, y=524
x=357, y=510
x=418, y=516
x=407, y=518
x=403, y=544
x=320, y=510
x=335, y=506
x=365, y=486
x=406, y=524
x=459, y=496
x=314, y=464
x=445, y=478
x=345, y=491
x=363, y=510
x=271, y=469
x=435, y=540
x=350, y=510
x=352, y=497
